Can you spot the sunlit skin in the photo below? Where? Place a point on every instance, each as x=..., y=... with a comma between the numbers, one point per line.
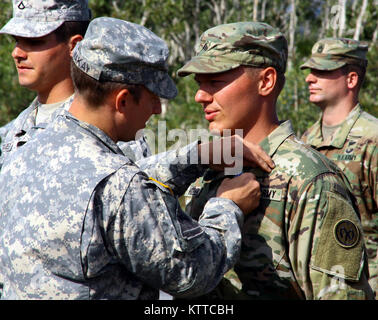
x=235, y=100
x=334, y=92
x=43, y=65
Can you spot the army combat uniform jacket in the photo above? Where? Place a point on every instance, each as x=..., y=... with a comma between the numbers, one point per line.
x=21, y=129
x=304, y=241
x=354, y=148
x=81, y=221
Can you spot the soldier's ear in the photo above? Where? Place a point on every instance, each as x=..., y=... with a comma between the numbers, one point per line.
x=121, y=98
x=352, y=79
x=268, y=80
x=73, y=41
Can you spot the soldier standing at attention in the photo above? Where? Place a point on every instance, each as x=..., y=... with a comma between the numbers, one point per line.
x=79, y=220
x=344, y=132
x=45, y=33
x=304, y=241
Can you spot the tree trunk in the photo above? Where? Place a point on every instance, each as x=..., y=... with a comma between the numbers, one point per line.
x=375, y=35
x=325, y=22
x=342, y=7
x=263, y=6
x=360, y=21
x=292, y=27
x=255, y=9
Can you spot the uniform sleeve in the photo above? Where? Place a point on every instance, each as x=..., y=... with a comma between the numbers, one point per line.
x=371, y=171
x=175, y=168
x=326, y=243
x=167, y=249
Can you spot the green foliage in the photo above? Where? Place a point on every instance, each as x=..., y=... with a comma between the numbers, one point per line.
x=180, y=23
x=368, y=94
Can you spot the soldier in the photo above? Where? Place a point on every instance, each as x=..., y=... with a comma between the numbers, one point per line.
x=84, y=222
x=304, y=241
x=45, y=33
x=344, y=132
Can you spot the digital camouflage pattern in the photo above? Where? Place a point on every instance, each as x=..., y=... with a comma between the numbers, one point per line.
x=21, y=129
x=305, y=240
x=333, y=53
x=117, y=50
x=4, y=131
x=80, y=221
x=228, y=46
x=354, y=148
x=36, y=18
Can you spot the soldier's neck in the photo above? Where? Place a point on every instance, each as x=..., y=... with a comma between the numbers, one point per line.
x=59, y=92
x=334, y=114
x=262, y=127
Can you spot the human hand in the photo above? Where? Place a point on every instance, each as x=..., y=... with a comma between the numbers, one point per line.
x=231, y=151
x=244, y=190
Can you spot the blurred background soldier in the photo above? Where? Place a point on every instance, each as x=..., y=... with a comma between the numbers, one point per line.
x=344, y=132
x=45, y=33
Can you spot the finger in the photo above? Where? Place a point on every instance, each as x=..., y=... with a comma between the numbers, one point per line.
x=258, y=156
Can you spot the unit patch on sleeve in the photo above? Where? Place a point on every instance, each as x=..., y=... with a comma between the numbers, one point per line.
x=346, y=233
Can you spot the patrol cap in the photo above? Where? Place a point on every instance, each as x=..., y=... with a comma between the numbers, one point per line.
x=37, y=18
x=228, y=46
x=121, y=51
x=333, y=53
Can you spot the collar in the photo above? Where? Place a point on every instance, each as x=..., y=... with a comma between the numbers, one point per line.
x=270, y=145
x=97, y=133
x=337, y=140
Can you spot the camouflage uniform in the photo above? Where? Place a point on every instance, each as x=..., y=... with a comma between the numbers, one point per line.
x=24, y=127
x=292, y=244
x=81, y=221
x=353, y=146
x=32, y=18
x=304, y=241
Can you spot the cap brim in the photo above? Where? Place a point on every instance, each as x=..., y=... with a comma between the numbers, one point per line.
x=322, y=64
x=161, y=84
x=204, y=64
x=30, y=29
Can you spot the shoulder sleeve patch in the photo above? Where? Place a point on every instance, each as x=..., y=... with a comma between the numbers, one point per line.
x=340, y=245
x=346, y=233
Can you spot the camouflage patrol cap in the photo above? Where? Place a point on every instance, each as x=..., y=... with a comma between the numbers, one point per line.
x=333, y=53
x=37, y=18
x=228, y=46
x=121, y=51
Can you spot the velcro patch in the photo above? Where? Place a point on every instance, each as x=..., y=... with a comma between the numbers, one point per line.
x=346, y=233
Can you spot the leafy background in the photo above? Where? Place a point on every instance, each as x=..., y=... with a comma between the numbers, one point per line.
x=181, y=22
